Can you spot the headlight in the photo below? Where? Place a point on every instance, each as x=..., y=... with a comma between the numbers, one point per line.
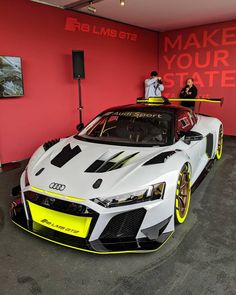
x=153, y=192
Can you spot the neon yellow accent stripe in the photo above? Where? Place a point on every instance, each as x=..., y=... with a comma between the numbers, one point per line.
x=91, y=251
x=74, y=199
x=178, y=182
x=177, y=192
x=57, y=195
x=77, y=226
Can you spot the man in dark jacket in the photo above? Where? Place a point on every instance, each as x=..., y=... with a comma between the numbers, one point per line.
x=189, y=91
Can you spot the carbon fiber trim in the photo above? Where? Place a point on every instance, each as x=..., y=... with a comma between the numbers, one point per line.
x=209, y=145
x=154, y=232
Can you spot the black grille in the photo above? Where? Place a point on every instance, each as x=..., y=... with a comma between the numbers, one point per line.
x=123, y=226
x=58, y=205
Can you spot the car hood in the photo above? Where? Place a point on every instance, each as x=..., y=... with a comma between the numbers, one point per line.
x=87, y=170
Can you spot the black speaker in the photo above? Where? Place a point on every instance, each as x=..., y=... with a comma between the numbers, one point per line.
x=78, y=64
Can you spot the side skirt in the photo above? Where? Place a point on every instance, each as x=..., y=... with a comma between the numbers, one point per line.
x=203, y=174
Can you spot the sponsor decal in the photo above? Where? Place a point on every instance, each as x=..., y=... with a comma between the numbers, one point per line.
x=139, y=115
x=74, y=25
x=57, y=226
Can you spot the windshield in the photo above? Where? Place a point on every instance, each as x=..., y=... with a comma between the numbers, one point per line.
x=131, y=127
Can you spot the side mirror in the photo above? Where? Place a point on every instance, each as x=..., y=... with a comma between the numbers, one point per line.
x=80, y=127
x=192, y=136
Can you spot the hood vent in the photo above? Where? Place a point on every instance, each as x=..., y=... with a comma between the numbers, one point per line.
x=50, y=143
x=39, y=172
x=100, y=166
x=65, y=155
x=161, y=158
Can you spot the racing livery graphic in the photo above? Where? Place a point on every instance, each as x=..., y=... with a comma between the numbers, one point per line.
x=123, y=182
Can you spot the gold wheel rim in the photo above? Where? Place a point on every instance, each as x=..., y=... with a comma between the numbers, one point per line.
x=184, y=193
x=220, y=144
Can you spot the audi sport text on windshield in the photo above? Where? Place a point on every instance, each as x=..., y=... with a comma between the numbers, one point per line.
x=137, y=128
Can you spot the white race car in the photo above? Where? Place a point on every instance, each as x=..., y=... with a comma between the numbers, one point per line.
x=123, y=182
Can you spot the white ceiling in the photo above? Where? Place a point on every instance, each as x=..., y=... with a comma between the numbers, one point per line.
x=160, y=15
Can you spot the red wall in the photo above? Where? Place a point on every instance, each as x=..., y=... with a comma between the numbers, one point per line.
x=117, y=59
x=208, y=54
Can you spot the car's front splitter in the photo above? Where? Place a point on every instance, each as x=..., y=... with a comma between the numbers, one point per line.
x=113, y=246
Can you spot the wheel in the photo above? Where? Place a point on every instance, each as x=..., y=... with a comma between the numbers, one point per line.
x=220, y=143
x=183, y=195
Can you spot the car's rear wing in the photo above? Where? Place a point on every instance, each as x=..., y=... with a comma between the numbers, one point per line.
x=164, y=100
x=153, y=100
x=200, y=99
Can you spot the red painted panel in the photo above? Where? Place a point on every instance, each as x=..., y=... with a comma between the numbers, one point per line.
x=117, y=59
x=206, y=53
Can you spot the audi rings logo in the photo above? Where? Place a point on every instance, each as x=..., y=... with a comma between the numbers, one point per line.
x=57, y=186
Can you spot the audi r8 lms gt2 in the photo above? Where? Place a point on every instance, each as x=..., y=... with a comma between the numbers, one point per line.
x=123, y=182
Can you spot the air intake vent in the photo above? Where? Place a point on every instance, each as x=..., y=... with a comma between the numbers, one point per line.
x=50, y=143
x=100, y=166
x=58, y=205
x=161, y=158
x=123, y=226
x=65, y=155
x=209, y=144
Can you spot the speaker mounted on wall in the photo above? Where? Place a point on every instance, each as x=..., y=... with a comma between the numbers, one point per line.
x=78, y=64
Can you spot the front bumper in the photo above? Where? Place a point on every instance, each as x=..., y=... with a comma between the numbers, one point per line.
x=118, y=236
